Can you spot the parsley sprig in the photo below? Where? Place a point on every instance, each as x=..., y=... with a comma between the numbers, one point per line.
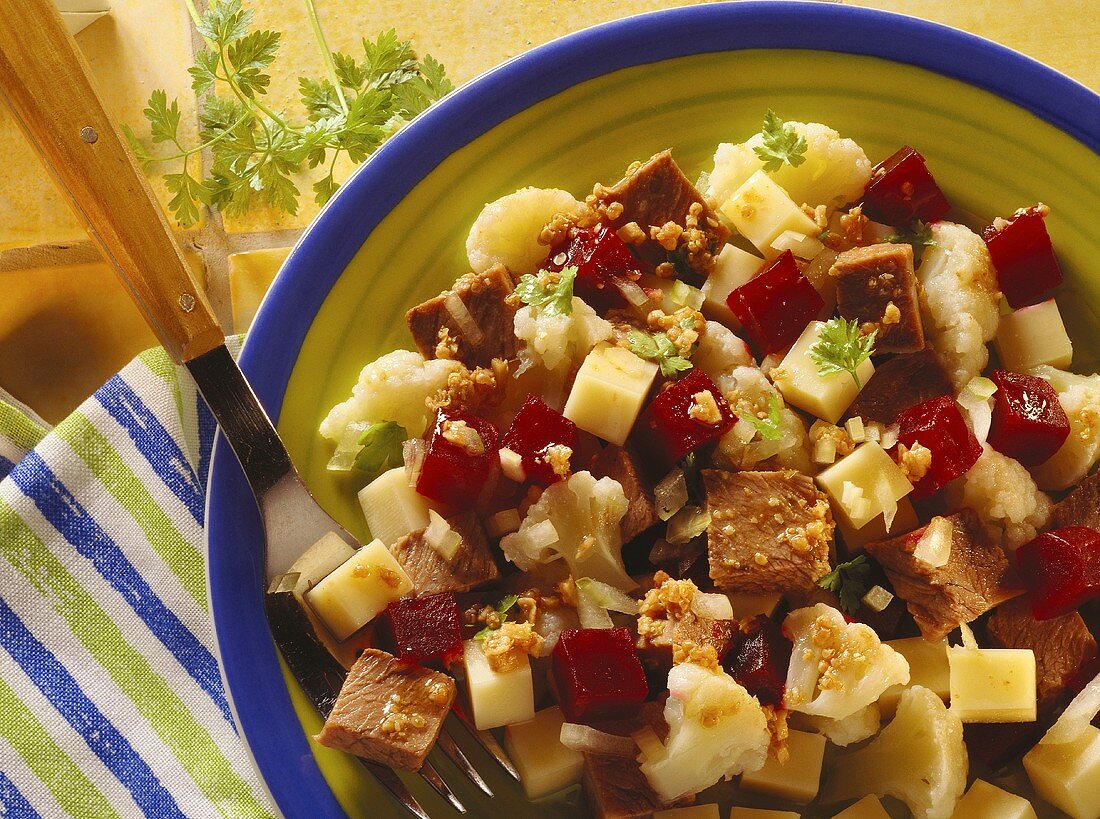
x=380, y=448
x=849, y=582
x=782, y=144
x=548, y=297
x=658, y=347
x=919, y=235
x=840, y=348
x=767, y=428
x=502, y=609
x=255, y=150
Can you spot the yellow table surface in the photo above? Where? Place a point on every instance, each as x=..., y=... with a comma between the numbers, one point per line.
x=52, y=292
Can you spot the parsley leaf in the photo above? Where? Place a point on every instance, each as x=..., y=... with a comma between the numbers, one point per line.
x=849, y=582
x=657, y=347
x=502, y=609
x=549, y=298
x=841, y=349
x=919, y=235
x=782, y=144
x=381, y=448
x=767, y=428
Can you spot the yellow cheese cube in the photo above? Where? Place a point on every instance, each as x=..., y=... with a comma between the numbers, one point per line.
x=732, y=268
x=1068, y=774
x=1032, y=336
x=359, y=589
x=761, y=211
x=798, y=778
x=544, y=764
x=497, y=698
x=694, y=812
x=738, y=812
x=928, y=667
x=869, y=807
x=905, y=520
x=864, y=485
x=992, y=684
x=608, y=393
x=750, y=605
x=393, y=508
x=826, y=396
x=985, y=801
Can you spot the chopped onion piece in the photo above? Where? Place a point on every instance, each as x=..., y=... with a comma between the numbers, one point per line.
x=631, y=291
x=978, y=412
x=877, y=598
x=934, y=546
x=607, y=597
x=671, y=494
x=825, y=451
x=466, y=325
x=541, y=535
x=801, y=245
x=684, y=295
x=591, y=614
x=689, y=522
x=441, y=537
x=1077, y=717
x=856, y=430
x=649, y=743
x=744, y=430
x=712, y=606
x=343, y=459
x=586, y=739
x=511, y=464
x=981, y=386
x=413, y=452
x=503, y=523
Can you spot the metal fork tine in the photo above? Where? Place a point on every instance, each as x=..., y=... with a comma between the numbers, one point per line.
x=489, y=743
x=433, y=778
x=392, y=782
x=448, y=746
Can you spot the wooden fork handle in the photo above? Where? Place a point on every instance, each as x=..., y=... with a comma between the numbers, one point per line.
x=47, y=84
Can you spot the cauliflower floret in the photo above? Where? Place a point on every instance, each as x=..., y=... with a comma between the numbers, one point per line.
x=837, y=668
x=507, y=230
x=720, y=351
x=919, y=758
x=854, y=728
x=959, y=302
x=1003, y=495
x=716, y=729
x=577, y=519
x=395, y=388
x=749, y=392
x=835, y=171
x=1079, y=396
x=558, y=342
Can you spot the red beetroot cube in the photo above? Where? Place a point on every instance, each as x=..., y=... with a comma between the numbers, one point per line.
x=1028, y=423
x=1024, y=258
x=681, y=418
x=598, y=674
x=902, y=189
x=775, y=306
x=1061, y=570
x=423, y=629
x=760, y=659
x=938, y=425
x=461, y=454
x=534, y=430
x=601, y=259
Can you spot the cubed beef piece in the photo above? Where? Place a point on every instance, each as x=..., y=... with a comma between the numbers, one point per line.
x=618, y=464
x=471, y=565
x=975, y=577
x=1081, y=507
x=1063, y=646
x=901, y=382
x=388, y=711
x=653, y=195
x=768, y=532
x=485, y=297
x=877, y=287
x=615, y=786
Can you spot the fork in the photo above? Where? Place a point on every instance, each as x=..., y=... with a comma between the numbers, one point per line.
x=47, y=84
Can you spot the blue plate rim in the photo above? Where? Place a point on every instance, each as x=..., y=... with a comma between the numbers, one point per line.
x=250, y=669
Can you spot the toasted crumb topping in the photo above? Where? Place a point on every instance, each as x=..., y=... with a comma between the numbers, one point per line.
x=469, y=390
x=668, y=600
x=682, y=327
x=506, y=647
x=462, y=435
x=446, y=345
x=690, y=652
x=383, y=573
x=840, y=437
x=891, y=315
x=840, y=650
x=397, y=720
x=557, y=457
x=631, y=233
x=567, y=589
x=914, y=462
x=777, y=727
x=704, y=409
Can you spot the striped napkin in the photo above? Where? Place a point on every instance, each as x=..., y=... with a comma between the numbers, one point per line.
x=111, y=700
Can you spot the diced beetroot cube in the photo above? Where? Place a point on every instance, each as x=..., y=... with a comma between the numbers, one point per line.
x=1028, y=423
x=423, y=629
x=676, y=422
x=902, y=189
x=938, y=425
x=1061, y=570
x=601, y=258
x=760, y=659
x=598, y=674
x=1024, y=258
x=776, y=305
x=457, y=462
x=534, y=430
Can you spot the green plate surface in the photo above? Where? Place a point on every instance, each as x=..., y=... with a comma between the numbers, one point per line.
x=990, y=157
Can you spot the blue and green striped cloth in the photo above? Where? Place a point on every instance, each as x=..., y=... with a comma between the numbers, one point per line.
x=111, y=699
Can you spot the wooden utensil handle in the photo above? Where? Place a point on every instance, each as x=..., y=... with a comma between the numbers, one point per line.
x=47, y=84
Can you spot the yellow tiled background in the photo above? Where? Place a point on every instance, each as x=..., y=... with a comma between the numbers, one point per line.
x=66, y=325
